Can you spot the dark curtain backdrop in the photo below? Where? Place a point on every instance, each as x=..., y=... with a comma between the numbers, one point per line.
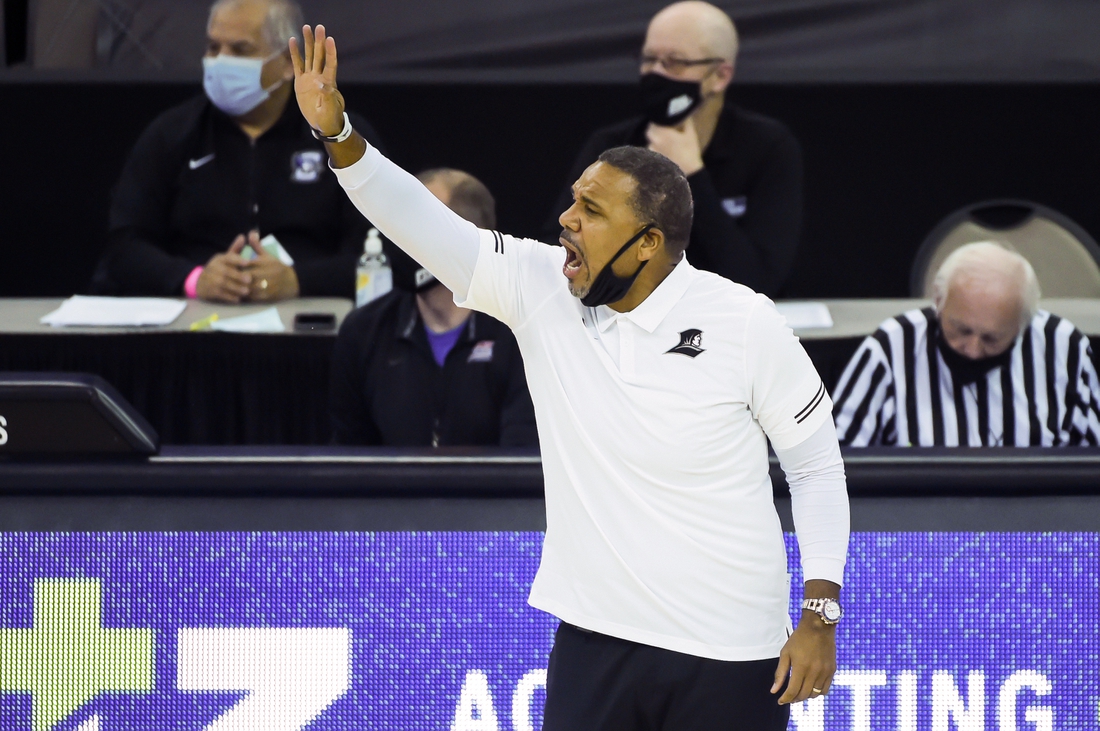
x=576, y=41
x=884, y=162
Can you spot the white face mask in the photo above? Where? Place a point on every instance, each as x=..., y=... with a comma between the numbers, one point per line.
x=233, y=84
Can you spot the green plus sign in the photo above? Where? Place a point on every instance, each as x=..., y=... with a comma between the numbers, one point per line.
x=68, y=658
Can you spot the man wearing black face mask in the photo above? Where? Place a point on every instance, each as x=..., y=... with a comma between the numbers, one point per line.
x=982, y=367
x=745, y=170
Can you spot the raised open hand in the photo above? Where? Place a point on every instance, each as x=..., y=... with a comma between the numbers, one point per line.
x=321, y=102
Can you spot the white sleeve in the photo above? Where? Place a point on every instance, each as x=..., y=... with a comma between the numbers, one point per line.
x=410, y=216
x=786, y=394
x=513, y=277
x=819, y=501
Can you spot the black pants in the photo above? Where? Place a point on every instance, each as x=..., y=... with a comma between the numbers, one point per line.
x=600, y=683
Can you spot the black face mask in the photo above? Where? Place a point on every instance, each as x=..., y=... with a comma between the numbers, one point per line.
x=608, y=286
x=667, y=102
x=969, y=370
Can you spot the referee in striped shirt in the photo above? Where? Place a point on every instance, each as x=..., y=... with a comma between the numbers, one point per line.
x=982, y=367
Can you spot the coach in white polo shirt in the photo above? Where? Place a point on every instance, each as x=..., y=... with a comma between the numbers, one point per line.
x=656, y=389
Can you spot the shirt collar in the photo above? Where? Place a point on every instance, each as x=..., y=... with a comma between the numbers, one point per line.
x=653, y=309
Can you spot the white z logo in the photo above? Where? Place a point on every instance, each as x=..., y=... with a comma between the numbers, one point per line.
x=3, y=431
x=291, y=674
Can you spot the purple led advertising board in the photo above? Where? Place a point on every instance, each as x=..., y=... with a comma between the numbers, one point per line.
x=418, y=631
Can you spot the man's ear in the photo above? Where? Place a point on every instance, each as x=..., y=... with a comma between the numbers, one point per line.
x=723, y=77
x=652, y=243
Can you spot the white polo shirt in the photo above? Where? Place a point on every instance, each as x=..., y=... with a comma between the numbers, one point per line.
x=661, y=527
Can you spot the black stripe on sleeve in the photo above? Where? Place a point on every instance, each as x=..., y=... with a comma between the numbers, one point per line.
x=889, y=429
x=498, y=242
x=847, y=390
x=1073, y=398
x=983, y=410
x=934, y=378
x=1008, y=406
x=861, y=413
x=1052, y=396
x=801, y=416
x=962, y=423
x=887, y=348
x=908, y=348
x=1035, y=433
x=876, y=435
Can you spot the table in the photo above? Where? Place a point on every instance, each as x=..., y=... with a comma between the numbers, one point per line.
x=193, y=387
x=21, y=316
x=223, y=388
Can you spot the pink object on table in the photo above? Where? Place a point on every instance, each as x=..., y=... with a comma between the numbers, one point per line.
x=190, y=285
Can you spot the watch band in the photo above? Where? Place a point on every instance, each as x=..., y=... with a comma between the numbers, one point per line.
x=817, y=606
x=344, y=133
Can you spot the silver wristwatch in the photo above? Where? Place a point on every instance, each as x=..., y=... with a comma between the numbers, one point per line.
x=828, y=609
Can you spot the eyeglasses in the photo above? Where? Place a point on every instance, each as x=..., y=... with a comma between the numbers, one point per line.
x=675, y=65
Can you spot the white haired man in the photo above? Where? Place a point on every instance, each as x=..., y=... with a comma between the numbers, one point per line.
x=215, y=174
x=984, y=366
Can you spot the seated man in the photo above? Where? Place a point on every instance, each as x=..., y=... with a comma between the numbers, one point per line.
x=215, y=174
x=417, y=370
x=744, y=169
x=982, y=367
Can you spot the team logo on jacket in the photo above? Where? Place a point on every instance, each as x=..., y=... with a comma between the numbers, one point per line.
x=735, y=206
x=482, y=352
x=691, y=342
x=306, y=166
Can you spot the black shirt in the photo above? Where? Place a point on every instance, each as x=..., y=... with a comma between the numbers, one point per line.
x=194, y=181
x=748, y=196
x=387, y=388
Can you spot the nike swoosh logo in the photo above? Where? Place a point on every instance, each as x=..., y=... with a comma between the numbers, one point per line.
x=196, y=164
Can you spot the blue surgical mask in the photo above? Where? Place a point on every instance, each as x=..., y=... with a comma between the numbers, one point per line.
x=233, y=84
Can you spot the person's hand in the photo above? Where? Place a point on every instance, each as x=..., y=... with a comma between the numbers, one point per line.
x=809, y=658
x=272, y=280
x=679, y=144
x=224, y=278
x=321, y=103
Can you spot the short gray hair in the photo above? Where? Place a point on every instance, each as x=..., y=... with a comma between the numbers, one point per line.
x=469, y=197
x=283, y=21
x=980, y=258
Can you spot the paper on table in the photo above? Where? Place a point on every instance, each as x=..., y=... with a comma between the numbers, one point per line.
x=114, y=312
x=264, y=321
x=805, y=315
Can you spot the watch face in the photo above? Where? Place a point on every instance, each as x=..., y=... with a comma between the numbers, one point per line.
x=831, y=611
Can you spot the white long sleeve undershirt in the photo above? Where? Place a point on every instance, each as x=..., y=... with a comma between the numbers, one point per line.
x=410, y=216
x=819, y=502
x=448, y=246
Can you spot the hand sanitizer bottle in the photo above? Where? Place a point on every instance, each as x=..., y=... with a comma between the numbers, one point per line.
x=373, y=276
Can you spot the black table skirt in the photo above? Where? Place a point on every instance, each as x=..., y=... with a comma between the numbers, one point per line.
x=207, y=388
x=231, y=389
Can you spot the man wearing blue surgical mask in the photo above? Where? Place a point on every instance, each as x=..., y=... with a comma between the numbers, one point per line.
x=745, y=169
x=211, y=178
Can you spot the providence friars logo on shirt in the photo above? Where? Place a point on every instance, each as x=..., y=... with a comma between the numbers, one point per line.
x=306, y=166
x=690, y=343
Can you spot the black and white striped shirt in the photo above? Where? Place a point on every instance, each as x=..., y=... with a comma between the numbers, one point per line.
x=897, y=390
